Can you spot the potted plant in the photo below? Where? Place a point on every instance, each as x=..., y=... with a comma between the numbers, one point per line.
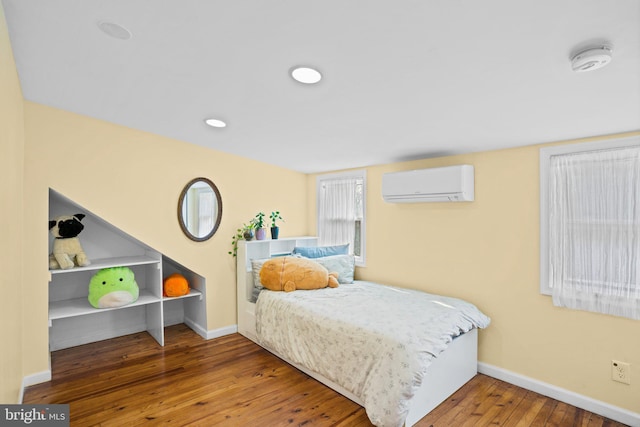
x=245, y=232
x=275, y=216
x=259, y=226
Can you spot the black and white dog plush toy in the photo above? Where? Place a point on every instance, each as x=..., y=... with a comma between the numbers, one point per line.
x=67, y=251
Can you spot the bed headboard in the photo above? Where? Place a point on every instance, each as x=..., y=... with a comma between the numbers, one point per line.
x=260, y=249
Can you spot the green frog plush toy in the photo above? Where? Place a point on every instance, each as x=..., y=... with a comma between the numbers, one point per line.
x=113, y=287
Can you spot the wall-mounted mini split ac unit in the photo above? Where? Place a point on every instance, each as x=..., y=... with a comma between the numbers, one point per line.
x=446, y=184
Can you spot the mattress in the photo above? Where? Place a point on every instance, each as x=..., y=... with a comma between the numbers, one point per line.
x=376, y=341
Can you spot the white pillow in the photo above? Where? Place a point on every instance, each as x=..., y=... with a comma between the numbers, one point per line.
x=256, y=265
x=344, y=265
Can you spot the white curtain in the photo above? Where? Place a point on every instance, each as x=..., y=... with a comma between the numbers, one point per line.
x=594, y=235
x=337, y=212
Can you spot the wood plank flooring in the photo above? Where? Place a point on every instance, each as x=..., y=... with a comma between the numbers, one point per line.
x=230, y=381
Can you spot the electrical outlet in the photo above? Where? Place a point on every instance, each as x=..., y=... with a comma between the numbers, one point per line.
x=621, y=371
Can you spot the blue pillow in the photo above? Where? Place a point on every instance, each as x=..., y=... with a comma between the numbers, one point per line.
x=321, y=251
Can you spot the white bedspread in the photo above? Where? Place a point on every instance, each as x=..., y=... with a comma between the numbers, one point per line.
x=375, y=341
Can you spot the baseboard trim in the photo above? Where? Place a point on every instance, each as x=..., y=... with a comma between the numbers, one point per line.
x=220, y=332
x=195, y=327
x=33, y=379
x=580, y=401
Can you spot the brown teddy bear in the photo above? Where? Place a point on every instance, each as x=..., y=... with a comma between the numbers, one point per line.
x=67, y=251
x=290, y=273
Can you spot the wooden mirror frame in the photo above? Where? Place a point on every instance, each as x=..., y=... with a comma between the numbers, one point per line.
x=181, y=201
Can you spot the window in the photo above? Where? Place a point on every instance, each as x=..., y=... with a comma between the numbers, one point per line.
x=341, y=211
x=590, y=226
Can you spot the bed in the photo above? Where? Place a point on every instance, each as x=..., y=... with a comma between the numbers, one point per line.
x=398, y=377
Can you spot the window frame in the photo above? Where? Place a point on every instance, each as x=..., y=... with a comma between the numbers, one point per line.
x=545, y=158
x=360, y=261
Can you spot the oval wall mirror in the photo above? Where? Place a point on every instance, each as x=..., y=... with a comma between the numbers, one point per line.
x=199, y=209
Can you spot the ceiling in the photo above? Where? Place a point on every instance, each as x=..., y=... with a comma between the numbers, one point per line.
x=403, y=79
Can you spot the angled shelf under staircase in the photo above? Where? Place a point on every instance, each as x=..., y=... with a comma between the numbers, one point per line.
x=74, y=321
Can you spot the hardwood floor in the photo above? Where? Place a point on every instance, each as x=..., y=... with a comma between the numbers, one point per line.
x=230, y=381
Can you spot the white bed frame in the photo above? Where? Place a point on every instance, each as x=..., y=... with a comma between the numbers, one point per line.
x=448, y=372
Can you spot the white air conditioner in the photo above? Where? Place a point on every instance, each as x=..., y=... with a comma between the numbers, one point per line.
x=447, y=184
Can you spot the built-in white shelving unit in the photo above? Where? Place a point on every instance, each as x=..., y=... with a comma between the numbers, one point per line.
x=73, y=321
x=256, y=249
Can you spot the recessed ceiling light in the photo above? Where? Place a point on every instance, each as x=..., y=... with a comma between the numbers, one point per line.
x=216, y=123
x=114, y=30
x=306, y=75
x=591, y=59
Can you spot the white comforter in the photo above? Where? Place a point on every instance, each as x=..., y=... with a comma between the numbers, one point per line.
x=375, y=341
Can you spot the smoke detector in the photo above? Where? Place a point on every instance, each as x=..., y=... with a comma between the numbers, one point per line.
x=591, y=59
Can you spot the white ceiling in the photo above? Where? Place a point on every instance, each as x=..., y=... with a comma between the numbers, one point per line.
x=403, y=79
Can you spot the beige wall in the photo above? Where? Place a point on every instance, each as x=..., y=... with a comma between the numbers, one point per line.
x=11, y=182
x=487, y=252
x=133, y=179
